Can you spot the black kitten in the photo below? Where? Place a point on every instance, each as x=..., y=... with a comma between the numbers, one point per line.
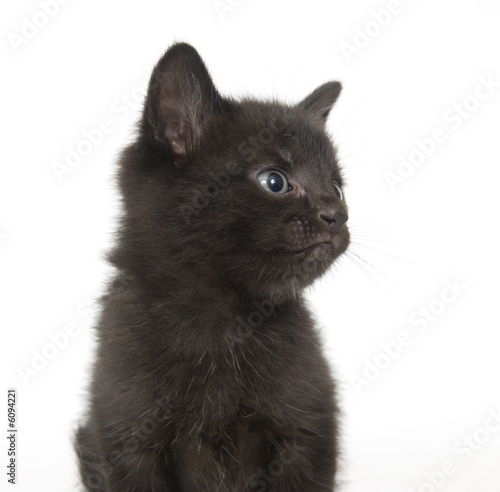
x=209, y=373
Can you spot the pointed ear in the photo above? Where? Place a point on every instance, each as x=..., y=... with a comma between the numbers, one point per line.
x=181, y=99
x=320, y=102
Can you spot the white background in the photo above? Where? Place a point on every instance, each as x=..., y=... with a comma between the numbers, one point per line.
x=440, y=223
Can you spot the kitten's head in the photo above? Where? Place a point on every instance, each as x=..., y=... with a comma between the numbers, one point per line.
x=234, y=194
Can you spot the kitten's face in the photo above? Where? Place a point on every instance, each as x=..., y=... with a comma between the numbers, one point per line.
x=247, y=194
x=279, y=222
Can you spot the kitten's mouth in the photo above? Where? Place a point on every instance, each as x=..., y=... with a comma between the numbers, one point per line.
x=336, y=243
x=313, y=246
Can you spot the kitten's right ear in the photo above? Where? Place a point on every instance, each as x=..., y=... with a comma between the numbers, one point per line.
x=319, y=103
x=181, y=99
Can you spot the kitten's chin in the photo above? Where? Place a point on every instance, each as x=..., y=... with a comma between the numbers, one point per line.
x=300, y=268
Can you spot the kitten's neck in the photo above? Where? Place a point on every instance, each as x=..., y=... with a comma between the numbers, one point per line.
x=189, y=295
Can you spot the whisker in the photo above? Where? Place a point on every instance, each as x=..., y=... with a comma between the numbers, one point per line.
x=356, y=260
x=379, y=252
x=355, y=154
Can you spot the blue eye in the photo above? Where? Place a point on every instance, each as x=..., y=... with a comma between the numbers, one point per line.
x=274, y=181
x=337, y=189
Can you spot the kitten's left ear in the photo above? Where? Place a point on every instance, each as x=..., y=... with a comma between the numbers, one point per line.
x=319, y=103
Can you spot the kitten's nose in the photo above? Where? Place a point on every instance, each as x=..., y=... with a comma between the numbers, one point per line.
x=335, y=220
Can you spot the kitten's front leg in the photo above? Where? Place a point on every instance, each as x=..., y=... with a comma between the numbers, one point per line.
x=107, y=465
x=141, y=473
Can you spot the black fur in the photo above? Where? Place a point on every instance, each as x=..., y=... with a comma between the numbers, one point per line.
x=209, y=373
